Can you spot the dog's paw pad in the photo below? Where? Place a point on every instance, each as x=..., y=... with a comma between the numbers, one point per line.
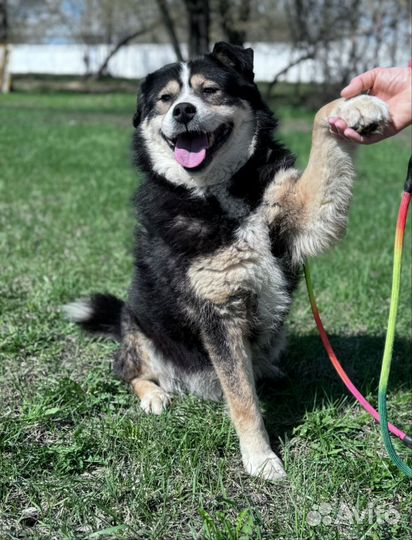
x=155, y=402
x=365, y=114
x=267, y=466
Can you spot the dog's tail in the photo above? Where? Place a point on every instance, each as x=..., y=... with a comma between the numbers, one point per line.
x=100, y=314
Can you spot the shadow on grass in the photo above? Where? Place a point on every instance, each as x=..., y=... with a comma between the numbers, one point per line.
x=312, y=381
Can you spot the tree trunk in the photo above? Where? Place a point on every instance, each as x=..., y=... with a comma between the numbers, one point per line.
x=198, y=15
x=234, y=29
x=3, y=21
x=4, y=50
x=170, y=28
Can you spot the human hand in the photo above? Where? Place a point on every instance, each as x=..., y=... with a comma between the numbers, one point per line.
x=392, y=85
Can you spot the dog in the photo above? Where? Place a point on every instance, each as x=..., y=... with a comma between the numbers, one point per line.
x=225, y=223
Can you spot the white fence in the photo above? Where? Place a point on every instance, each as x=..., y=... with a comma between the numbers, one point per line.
x=136, y=61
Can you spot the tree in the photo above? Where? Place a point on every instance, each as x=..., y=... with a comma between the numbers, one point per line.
x=170, y=28
x=3, y=21
x=344, y=38
x=234, y=17
x=198, y=19
x=121, y=43
x=341, y=38
x=4, y=49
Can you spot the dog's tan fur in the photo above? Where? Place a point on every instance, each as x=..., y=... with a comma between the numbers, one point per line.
x=237, y=379
x=222, y=242
x=171, y=89
x=314, y=207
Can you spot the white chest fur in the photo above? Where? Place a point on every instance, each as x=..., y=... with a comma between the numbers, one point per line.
x=265, y=276
x=247, y=265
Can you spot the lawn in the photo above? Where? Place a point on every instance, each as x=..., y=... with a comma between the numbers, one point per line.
x=79, y=459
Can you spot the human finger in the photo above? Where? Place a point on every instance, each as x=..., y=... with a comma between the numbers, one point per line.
x=360, y=83
x=340, y=124
x=336, y=126
x=352, y=135
x=333, y=129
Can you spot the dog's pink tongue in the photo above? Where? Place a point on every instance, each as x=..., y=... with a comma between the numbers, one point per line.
x=190, y=149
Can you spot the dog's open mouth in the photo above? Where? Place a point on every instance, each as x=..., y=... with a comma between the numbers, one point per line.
x=194, y=149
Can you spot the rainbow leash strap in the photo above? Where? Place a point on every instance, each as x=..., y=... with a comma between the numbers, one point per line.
x=382, y=415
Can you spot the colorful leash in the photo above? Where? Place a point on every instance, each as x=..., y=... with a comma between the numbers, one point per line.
x=381, y=416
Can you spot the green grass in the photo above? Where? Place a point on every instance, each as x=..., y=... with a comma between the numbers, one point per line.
x=78, y=457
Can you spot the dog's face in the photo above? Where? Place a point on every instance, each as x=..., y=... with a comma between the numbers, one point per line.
x=197, y=120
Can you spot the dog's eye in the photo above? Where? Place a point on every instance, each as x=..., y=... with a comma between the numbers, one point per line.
x=209, y=90
x=165, y=98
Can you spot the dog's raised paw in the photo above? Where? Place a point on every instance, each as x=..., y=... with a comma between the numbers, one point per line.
x=365, y=114
x=155, y=402
x=267, y=466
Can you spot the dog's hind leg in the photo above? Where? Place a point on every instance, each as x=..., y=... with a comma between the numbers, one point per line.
x=135, y=363
x=153, y=399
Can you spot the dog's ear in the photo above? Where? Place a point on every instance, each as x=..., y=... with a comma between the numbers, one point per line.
x=235, y=57
x=141, y=102
x=137, y=117
x=142, y=97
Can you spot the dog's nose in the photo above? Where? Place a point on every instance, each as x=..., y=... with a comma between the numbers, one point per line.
x=184, y=112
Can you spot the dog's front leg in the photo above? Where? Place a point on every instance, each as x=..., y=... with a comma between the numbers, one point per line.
x=310, y=209
x=230, y=354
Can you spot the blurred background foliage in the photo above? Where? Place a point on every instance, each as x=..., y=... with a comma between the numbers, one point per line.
x=343, y=38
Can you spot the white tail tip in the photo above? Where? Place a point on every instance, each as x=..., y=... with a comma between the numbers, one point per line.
x=78, y=311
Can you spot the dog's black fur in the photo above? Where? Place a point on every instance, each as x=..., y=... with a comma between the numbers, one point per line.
x=225, y=222
x=165, y=245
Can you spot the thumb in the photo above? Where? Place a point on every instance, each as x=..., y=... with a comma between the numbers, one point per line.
x=359, y=84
